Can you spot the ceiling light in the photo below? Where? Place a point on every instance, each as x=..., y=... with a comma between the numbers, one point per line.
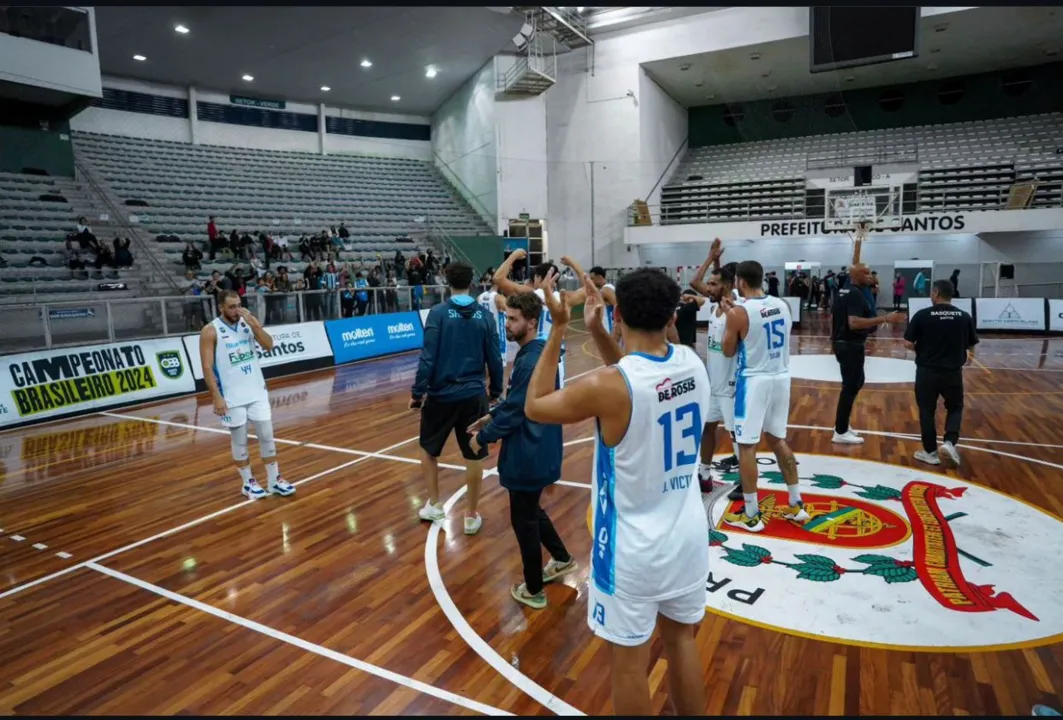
x=248, y=78
x=139, y=58
x=395, y=98
x=181, y=29
x=367, y=64
x=325, y=88
x=579, y=9
x=430, y=72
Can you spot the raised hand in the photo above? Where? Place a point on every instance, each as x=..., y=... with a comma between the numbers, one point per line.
x=594, y=305
x=560, y=313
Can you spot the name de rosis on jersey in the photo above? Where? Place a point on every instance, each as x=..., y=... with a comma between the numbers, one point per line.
x=668, y=390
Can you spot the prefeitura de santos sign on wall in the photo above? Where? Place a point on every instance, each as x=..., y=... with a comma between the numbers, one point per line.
x=965, y=223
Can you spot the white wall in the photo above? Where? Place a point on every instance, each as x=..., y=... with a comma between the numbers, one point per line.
x=463, y=138
x=663, y=125
x=130, y=124
x=520, y=130
x=32, y=62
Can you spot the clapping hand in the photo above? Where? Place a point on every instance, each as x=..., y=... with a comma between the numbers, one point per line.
x=560, y=313
x=594, y=306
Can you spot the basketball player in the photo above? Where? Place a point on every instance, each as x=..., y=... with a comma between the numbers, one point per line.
x=231, y=370
x=608, y=291
x=758, y=332
x=721, y=369
x=508, y=287
x=494, y=303
x=650, y=557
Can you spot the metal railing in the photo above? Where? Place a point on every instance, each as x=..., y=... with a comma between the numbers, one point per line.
x=41, y=326
x=468, y=195
x=902, y=153
x=1025, y=290
x=669, y=214
x=118, y=217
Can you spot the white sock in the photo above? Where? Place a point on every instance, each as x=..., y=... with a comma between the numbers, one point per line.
x=245, y=474
x=703, y=473
x=751, y=504
x=795, y=494
x=273, y=471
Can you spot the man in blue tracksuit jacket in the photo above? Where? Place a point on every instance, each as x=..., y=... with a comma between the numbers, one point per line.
x=530, y=458
x=460, y=339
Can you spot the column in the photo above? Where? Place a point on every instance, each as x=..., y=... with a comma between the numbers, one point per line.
x=321, y=127
x=193, y=115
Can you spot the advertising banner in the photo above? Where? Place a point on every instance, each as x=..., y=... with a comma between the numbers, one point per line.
x=292, y=343
x=1055, y=315
x=916, y=304
x=54, y=383
x=1011, y=314
x=370, y=336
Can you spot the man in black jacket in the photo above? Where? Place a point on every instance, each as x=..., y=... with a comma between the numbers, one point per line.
x=530, y=458
x=460, y=339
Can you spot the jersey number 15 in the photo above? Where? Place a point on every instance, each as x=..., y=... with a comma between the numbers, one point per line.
x=691, y=429
x=775, y=333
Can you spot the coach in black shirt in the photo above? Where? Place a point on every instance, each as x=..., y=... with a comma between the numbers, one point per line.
x=686, y=317
x=943, y=339
x=852, y=319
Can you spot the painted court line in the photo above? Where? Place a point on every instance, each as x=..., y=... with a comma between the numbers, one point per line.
x=471, y=638
x=284, y=637
x=166, y=533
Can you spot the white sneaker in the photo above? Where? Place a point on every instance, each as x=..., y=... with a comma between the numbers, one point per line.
x=473, y=524
x=252, y=490
x=930, y=458
x=555, y=569
x=797, y=513
x=947, y=452
x=432, y=512
x=281, y=487
x=847, y=438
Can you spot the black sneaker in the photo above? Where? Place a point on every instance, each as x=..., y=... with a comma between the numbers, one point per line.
x=728, y=464
x=736, y=492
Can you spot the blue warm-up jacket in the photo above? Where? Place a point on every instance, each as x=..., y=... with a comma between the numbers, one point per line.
x=530, y=458
x=459, y=340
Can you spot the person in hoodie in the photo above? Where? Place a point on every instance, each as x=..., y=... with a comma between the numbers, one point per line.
x=530, y=458
x=459, y=340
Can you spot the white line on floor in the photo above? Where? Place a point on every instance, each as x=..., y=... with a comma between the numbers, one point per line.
x=473, y=640
x=284, y=637
x=573, y=484
x=167, y=533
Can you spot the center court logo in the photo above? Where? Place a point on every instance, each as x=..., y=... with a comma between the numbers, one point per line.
x=892, y=556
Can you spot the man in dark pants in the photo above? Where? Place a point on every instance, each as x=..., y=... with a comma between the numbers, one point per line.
x=852, y=319
x=460, y=339
x=943, y=338
x=530, y=458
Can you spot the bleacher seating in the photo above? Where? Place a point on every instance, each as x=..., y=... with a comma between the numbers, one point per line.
x=35, y=218
x=286, y=193
x=963, y=166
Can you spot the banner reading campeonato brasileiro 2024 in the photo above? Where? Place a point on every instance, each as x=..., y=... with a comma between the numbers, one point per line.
x=54, y=383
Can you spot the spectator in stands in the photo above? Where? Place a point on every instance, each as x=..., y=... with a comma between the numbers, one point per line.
x=361, y=295
x=347, y=300
x=400, y=264
x=446, y=260
x=304, y=249
x=338, y=244
x=86, y=240
x=343, y=231
x=104, y=256
x=773, y=284
x=330, y=280
x=191, y=257
x=391, y=295
x=212, y=234
x=898, y=290
x=74, y=262
x=843, y=279
x=123, y=256
x=283, y=283
x=239, y=282
x=194, y=313
x=955, y=280
x=415, y=279
x=319, y=246
x=376, y=280
x=281, y=249
x=300, y=285
x=312, y=302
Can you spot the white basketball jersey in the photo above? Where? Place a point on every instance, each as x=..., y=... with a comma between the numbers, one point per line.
x=650, y=526
x=487, y=302
x=721, y=369
x=236, y=366
x=546, y=323
x=766, y=347
x=609, y=309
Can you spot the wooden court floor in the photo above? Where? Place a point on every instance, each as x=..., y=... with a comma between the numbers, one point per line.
x=135, y=579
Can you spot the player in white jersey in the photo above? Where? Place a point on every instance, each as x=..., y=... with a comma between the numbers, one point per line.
x=510, y=287
x=494, y=302
x=758, y=333
x=228, y=350
x=608, y=291
x=649, y=560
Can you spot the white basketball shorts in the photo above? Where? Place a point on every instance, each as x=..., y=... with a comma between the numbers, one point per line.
x=627, y=622
x=762, y=405
x=258, y=411
x=722, y=409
